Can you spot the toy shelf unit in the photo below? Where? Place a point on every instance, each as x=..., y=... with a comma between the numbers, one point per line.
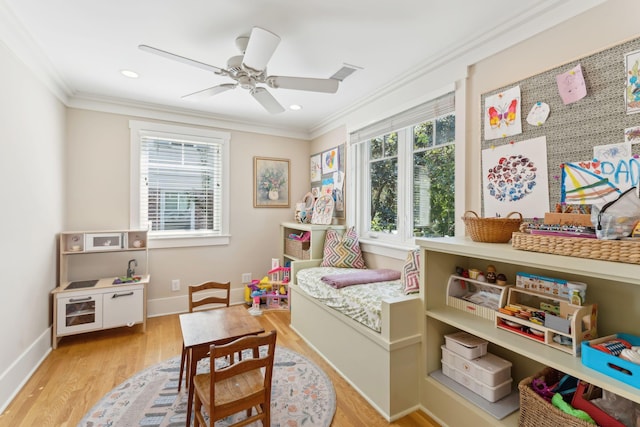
x=473, y=296
x=614, y=286
x=311, y=247
x=559, y=324
x=102, y=241
x=102, y=281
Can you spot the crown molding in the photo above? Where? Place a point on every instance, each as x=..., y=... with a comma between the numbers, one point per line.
x=160, y=112
x=20, y=42
x=542, y=16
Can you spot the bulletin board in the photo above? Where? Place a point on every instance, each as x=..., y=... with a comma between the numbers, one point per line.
x=572, y=130
x=328, y=177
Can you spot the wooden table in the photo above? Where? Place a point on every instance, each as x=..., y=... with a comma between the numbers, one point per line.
x=220, y=326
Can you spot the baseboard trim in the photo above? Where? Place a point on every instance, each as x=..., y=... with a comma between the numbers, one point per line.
x=16, y=376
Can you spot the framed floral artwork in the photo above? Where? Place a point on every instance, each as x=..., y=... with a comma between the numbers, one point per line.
x=270, y=183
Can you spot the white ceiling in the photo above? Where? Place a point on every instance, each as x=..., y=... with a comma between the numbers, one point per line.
x=83, y=45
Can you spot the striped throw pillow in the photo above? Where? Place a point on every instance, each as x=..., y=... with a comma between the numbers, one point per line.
x=342, y=251
x=411, y=272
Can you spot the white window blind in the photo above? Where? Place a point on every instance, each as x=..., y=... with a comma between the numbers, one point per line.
x=180, y=185
x=440, y=106
x=179, y=175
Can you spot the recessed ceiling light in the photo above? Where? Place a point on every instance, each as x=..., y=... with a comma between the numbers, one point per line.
x=129, y=73
x=295, y=107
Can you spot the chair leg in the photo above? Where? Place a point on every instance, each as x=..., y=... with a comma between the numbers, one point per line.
x=197, y=408
x=183, y=361
x=266, y=421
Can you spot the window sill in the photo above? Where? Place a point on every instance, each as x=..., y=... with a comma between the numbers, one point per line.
x=388, y=249
x=185, y=241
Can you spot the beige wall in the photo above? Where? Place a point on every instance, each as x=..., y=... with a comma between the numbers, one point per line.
x=604, y=26
x=98, y=198
x=32, y=129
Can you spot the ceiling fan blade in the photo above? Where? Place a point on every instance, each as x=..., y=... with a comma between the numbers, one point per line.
x=262, y=44
x=207, y=93
x=303, y=83
x=267, y=100
x=182, y=59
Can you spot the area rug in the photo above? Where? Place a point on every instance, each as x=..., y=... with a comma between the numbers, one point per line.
x=301, y=395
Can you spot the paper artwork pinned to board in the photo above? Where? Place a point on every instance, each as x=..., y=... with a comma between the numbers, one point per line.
x=585, y=183
x=515, y=178
x=338, y=195
x=612, y=152
x=632, y=135
x=327, y=186
x=613, y=170
x=538, y=114
x=571, y=85
x=502, y=114
x=632, y=91
x=330, y=161
x=315, y=168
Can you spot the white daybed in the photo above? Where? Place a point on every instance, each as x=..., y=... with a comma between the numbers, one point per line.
x=382, y=366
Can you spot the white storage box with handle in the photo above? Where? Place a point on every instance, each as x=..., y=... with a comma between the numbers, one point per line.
x=492, y=394
x=466, y=345
x=488, y=369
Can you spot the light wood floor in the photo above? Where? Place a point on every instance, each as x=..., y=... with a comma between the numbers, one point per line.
x=85, y=367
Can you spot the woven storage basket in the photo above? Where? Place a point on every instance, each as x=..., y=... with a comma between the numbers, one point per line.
x=537, y=412
x=297, y=248
x=607, y=250
x=491, y=230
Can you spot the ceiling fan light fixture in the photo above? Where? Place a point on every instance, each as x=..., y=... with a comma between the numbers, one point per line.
x=249, y=70
x=260, y=47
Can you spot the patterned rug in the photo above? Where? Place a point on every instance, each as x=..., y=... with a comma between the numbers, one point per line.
x=301, y=395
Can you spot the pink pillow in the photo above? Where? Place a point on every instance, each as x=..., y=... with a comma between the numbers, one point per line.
x=411, y=272
x=342, y=251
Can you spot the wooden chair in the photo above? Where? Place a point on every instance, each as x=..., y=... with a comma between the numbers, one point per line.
x=197, y=301
x=240, y=386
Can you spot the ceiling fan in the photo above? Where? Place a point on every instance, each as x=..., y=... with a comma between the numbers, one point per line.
x=249, y=70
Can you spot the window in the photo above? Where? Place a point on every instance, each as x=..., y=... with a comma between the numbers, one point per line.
x=179, y=183
x=405, y=167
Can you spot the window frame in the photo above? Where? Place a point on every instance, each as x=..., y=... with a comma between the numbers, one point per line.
x=197, y=135
x=359, y=152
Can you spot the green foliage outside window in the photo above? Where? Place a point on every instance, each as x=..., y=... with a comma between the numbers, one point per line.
x=433, y=179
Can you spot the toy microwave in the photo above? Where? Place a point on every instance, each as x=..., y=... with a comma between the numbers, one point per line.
x=105, y=241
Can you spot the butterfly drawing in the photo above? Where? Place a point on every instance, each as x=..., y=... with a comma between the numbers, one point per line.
x=500, y=114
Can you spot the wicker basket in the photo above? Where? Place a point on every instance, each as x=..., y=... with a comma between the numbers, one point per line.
x=606, y=250
x=537, y=412
x=297, y=248
x=491, y=230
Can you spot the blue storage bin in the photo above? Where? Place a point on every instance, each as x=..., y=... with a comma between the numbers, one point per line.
x=615, y=367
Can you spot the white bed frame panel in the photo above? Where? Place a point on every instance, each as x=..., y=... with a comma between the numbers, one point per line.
x=383, y=367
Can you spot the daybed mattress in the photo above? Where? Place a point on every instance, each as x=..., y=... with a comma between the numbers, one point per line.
x=362, y=303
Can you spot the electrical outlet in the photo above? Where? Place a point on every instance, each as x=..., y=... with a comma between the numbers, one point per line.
x=246, y=277
x=175, y=285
